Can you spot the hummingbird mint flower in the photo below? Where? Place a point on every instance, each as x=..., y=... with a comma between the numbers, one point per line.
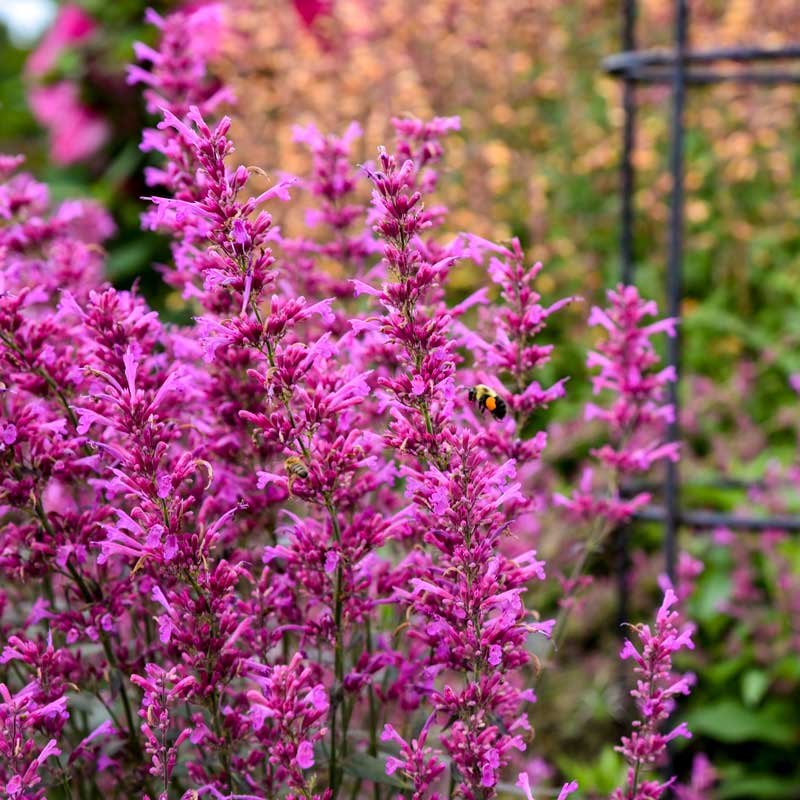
x=657, y=686
x=636, y=412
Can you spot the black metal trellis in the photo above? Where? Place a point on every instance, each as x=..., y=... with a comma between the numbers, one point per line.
x=680, y=68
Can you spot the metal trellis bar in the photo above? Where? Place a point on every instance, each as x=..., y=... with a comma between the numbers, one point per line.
x=674, y=276
x=620, y=63
x=710, y=77
x=713, y=519
x=677, y=67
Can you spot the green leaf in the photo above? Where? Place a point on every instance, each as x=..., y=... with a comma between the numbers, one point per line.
x=755, y=683
x=372, y=768
x=759, y=787
x=601, y=775
x=127, y=260
x=711, y=592
x=728, y=721
x=125, y=163
x=787, y=669
x=725, y=671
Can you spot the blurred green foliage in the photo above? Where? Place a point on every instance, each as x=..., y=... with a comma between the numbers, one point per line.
x=746, y=711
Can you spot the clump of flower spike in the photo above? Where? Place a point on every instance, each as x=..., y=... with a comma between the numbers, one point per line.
x=160, y=447
x=418, y=761
x=305, y=408
x=307, y=412
x=131, y=445
x=514, y=352
x=656, y=689
x=338, y=246
x=25, y=721
x=177, y=80
x=464, y=596
x=333, y=181
x=161, y=690
x=179, y=76
x=48, y=495
x=43, y=247
x=236, y=267
x=288, y=713
x=167, y=525
x=637, y=413
x=423, y=385
x=509, y=361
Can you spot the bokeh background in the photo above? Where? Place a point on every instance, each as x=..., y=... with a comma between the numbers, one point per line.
x=537, y=158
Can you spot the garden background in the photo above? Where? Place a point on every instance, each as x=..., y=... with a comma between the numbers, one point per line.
x=536, y=158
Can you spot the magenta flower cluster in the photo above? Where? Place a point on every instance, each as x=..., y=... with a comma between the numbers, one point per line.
x=635, y=416
x=657, y=686
x=286, y=550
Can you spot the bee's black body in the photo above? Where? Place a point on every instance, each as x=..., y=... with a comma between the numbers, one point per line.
x=488, y=399
x=296, y=468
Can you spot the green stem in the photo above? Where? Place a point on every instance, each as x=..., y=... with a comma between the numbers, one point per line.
x=452, y=788
x=338, y=659
x=373, y=714
x=596, y=537
x=636, y=771
x=566, y=609
x=224, y=756
x=592, y=544
x=427, y=414
x=45, y=376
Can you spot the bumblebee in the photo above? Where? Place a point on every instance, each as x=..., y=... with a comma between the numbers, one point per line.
x=488, y=399
x=296, y=468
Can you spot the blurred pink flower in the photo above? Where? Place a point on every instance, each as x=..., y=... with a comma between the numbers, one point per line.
x=75, y=130
x=72, y=25
x=704, y=776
